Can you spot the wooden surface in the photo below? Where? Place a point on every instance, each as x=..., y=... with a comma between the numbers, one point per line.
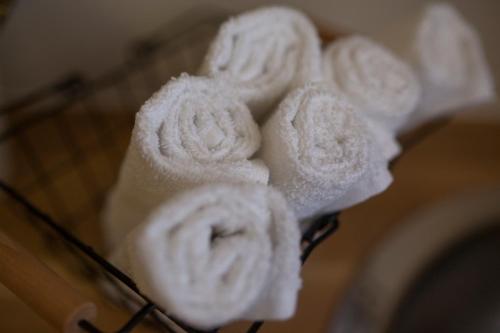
x=461, y=157
x=35, y=284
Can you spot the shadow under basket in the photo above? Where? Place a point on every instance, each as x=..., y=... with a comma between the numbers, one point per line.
x=64, y=145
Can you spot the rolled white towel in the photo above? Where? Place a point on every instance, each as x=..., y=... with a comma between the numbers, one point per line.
x=446, y=53
x=193, y=131
x=216, y=254
x=320, y=153
x=264, y=53
x=374, y=80
x=384, y=138
x=381, y=86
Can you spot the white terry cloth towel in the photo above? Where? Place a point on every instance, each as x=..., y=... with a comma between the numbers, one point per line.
x=193, y=131
x=264, y=53
x=216, y=254
x=446, y=53
x=380, y=85
x=320, y=153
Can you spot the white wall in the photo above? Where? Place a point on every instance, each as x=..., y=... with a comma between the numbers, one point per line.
x=42, y=40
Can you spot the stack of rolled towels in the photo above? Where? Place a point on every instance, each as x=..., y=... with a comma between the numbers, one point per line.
x=446, y=54
x=225, y=167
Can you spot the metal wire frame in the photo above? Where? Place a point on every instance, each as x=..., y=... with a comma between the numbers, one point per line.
x=51, y=106
x=318, y=231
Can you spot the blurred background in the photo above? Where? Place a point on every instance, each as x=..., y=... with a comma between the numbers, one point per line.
x=398, y=261
x=41, y=42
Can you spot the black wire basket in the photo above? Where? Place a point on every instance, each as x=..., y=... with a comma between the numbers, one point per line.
x=66, y=143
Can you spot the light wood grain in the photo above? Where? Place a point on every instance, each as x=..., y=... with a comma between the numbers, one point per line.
x=462, y=156
x=41, y=289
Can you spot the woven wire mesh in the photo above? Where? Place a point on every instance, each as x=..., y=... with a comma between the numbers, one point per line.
x=61, y=147
x=64, y=146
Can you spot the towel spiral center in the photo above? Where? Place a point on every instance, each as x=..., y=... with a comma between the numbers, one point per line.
x=219, y=248
x=200, y=123
x=371, y=77
x=259, y=55
x=330, y=138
